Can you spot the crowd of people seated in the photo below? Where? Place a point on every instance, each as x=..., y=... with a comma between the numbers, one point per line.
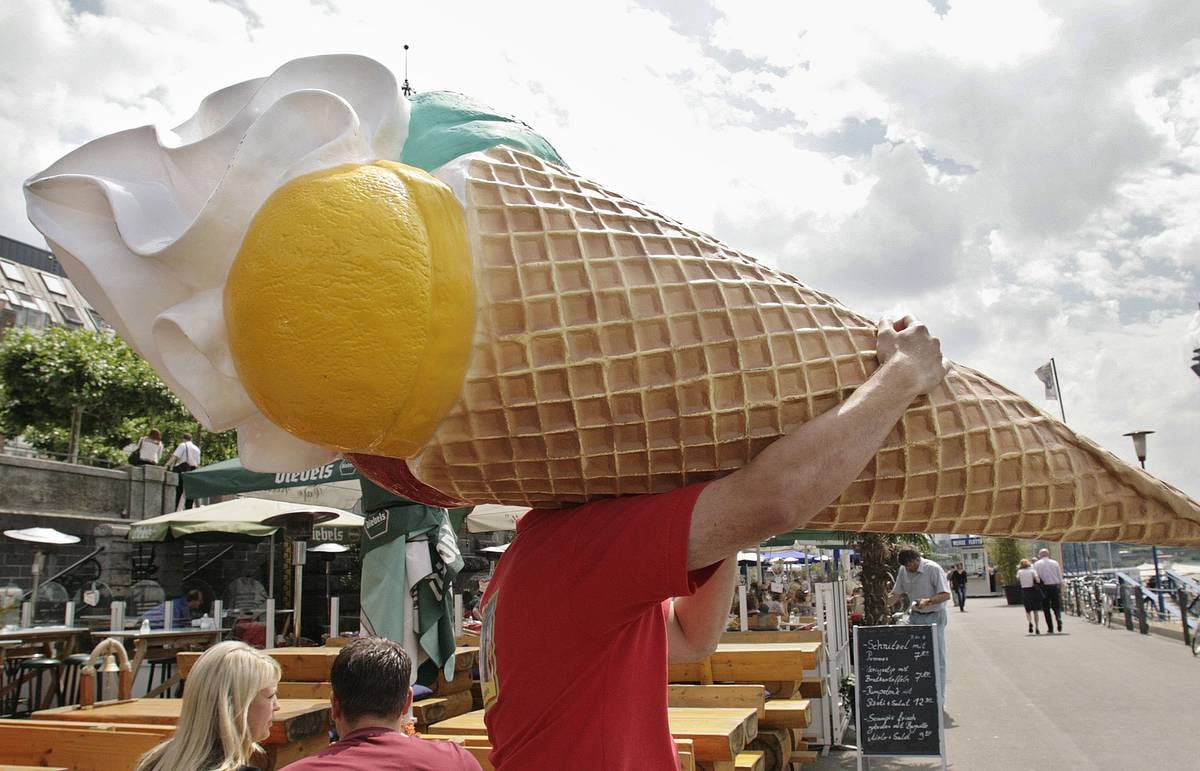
x=230, y=701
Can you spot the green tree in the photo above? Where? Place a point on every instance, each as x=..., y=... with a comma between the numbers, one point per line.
x=78, y=392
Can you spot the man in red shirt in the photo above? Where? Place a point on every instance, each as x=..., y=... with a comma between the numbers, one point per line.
x=582, y=685
x=371, y=695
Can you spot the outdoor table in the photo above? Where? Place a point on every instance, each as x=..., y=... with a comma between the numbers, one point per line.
x=300, y=728
x=307, y=665
x=717, y=735
x=51, y=641
x=749, y=663
x=163, y=642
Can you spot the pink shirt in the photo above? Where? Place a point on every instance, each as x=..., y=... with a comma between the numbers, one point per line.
x=1049, y=571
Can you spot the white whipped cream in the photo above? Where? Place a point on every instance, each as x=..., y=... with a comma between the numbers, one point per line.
x=148, y=221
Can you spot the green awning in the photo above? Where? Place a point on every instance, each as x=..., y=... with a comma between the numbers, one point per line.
x=826, y=539
x=230, y=477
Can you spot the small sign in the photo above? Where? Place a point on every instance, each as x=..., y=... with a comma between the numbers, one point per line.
x=896, y=692
x=972, y=540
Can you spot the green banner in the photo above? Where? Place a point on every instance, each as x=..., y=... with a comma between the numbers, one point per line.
x=230, y=477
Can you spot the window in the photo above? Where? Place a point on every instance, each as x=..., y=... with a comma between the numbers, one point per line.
x=98, y=320
x=54, y=284
x=12, y=272
x=70, y=315
x=22, y=299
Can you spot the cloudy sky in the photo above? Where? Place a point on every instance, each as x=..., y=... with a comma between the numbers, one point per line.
x=1023, y=176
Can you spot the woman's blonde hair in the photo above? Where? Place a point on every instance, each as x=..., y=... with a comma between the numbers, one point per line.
x=213, y=732
x=1025, y=563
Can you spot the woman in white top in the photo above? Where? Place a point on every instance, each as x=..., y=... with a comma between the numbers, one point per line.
x=1031, y=595
x=146, y=451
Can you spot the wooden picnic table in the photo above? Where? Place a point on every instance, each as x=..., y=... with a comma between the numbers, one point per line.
x=163, y=642
x=56, y=642
x=718, y=735
x=749, y=663
x=312, y=665
x=300, y=727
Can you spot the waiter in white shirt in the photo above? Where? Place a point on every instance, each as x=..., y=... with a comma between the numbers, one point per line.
x=925, y=583
x=185, y=458
x=1050, y=572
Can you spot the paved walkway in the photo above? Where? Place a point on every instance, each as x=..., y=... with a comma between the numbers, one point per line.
x=1092, y=698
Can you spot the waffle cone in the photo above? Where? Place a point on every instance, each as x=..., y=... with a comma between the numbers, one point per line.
x=618, y=352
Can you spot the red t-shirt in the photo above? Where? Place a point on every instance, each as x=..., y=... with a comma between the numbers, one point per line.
x=382, y=749
x=575, y=639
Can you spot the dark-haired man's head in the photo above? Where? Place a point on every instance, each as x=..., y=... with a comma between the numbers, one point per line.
x=910, y=559
x=195, y=598
x=370, y=681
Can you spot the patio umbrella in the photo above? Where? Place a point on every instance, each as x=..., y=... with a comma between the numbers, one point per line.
x=241, y=519
x=491, y=517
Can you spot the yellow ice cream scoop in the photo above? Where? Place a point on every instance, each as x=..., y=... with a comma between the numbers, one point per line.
x=351, y=307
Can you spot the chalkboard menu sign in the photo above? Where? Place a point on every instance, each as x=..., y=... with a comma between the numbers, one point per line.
x=897, y=694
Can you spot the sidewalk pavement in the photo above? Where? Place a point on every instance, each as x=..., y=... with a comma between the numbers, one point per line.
x=1091, y=698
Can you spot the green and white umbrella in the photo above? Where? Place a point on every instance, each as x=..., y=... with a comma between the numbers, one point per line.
x=238, y=520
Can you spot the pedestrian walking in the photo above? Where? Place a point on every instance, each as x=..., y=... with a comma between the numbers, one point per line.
x=145, y=451
x=1051, y=575
x=1031, y=595
x=958, y=586
x=185, y=458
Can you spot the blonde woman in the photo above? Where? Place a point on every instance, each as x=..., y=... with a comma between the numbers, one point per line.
x=228, y=705
x=1031, y=594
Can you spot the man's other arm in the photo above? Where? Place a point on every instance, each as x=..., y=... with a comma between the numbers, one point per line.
x=695, y=623
x=807, y=469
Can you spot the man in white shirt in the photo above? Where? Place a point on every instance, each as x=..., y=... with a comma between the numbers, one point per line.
x=925, y=583
x=1051, y=575
x=185, y=458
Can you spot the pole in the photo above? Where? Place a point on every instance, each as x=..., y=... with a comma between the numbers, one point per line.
x=1162, y=610
x=271, y=570
x=299, y=556
x=39, y=558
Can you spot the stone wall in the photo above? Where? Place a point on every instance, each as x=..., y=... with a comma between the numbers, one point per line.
x=33, y=485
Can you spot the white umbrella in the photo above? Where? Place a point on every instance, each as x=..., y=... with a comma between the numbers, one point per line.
x=490, y=517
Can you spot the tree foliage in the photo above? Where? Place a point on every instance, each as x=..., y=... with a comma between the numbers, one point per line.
x=1004, y=554
x=47, y=375
x=877, y=552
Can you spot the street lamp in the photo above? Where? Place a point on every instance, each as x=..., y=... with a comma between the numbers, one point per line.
x=1139, y=447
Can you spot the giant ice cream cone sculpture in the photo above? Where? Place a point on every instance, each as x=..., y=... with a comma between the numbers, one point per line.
x=521, y=335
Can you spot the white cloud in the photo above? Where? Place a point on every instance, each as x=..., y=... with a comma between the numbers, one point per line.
x=1024, y=175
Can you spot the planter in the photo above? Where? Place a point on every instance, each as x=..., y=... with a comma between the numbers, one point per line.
x=1013, y=595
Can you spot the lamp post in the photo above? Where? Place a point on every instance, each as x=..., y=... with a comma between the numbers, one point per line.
x=1139, y=447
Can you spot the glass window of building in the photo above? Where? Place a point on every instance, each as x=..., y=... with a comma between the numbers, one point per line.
x=12, y=272
x=98, y=320
x=54, y=284
x=70, y=315
x=24, y=299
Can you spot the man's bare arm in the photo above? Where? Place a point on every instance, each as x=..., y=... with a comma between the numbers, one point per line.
x=695, y=623
x=808, y=468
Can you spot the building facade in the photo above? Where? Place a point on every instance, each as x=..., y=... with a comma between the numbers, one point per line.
x=35, y=291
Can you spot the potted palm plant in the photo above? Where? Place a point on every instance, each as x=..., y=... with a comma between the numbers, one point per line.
x=1005, y=554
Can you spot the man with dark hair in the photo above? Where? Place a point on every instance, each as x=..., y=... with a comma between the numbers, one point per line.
x=925, y=583
x=371, y=694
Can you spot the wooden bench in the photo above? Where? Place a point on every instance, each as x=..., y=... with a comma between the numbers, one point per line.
x=716, y=734
x=750, y=761
x=78, y=746
x=480, y=748
x=300, y=728
x=787, y=713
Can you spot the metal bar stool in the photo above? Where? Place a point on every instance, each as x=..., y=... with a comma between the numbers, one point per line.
x=38, y=666
x=69, y=692
x=163, y=667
